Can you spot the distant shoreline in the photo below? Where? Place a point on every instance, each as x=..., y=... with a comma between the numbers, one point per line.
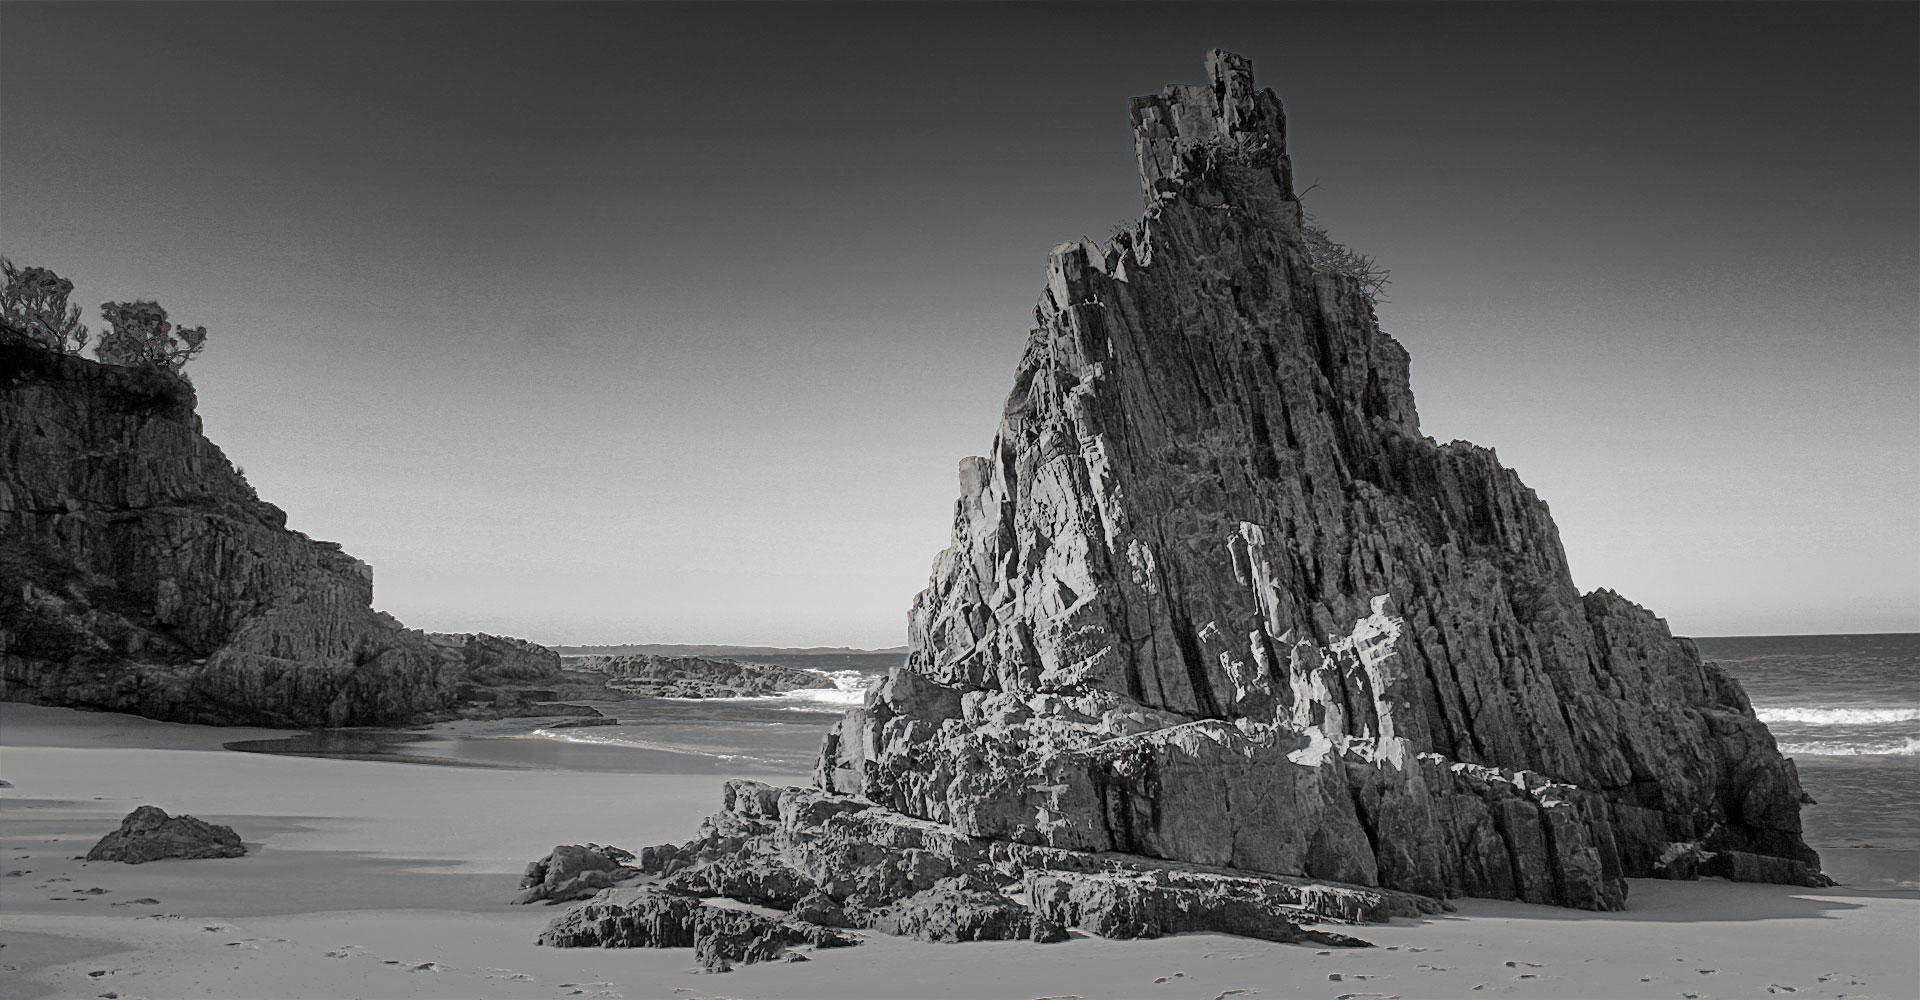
x=697, y=649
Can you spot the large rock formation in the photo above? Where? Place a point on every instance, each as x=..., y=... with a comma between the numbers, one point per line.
x=1223, y=642
x=1213, y=597
x=139, y=572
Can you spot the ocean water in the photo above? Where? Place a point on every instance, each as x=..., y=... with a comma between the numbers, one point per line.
x=1845, y=708
x=775, y=736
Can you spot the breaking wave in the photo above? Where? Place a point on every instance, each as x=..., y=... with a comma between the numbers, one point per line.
x=1835, y=716
x=849, y=688
x=596, y=738
x=1907, y=747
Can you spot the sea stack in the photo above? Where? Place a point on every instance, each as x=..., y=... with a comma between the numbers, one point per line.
x=1223, y=642
x=1213, y=597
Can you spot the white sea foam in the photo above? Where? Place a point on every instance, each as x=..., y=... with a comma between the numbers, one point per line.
x=1835, y=716
x=850, y=688
x=1908, y=747
x=597, y=738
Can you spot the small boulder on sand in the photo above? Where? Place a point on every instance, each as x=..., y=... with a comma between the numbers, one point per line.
x=149, y=834
x=575, y=871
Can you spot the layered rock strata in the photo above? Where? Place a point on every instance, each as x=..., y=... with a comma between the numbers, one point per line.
x=1213, y=597
x=806, y=862
x=139, y=572
x=1223, y=642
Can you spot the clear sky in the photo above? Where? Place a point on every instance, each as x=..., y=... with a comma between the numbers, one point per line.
x=624, y=323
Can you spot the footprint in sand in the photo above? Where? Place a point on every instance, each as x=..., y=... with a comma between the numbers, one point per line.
x=509, y=974
x=1168, y=979
x=339, y=954
x=1530, y=965
x=248, y=945
x=1706, y=972
x=1776, y=988
x=425, y=967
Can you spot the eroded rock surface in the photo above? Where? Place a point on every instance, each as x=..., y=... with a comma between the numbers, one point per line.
x=1224, y=643
x=149, y=834
x=719, y=936
x=804, y=862
x=1213, y=597
x=575, y=871
x=139, y=572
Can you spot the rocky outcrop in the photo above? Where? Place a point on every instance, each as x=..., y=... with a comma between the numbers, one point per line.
x=1213, y=597
x=719, y=937
x=574, y=871
x=1224, y=643
x=140, y=573
x=696, y=676
x=809, y=861
x=498, y=659
x=149, y=834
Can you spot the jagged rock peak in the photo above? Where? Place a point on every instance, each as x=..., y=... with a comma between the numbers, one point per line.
x=1223, y=643
x=1225, y=115
x=1213, y=597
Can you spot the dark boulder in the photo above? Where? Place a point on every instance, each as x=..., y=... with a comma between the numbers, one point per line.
x=575, y=871
x=149, y=834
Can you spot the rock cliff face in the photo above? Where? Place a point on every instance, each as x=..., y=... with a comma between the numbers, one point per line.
x=1224, y=643
x=140, y=573
x=1212, y=597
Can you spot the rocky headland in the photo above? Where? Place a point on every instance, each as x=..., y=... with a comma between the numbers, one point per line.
x=140, y=573
x=1224, y=642
x=650, y=676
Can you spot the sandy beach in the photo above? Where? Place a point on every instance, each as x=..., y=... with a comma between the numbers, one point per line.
x=385, y=879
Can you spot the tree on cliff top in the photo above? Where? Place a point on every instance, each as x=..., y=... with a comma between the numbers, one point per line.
x=142, y=337
x=34, y=302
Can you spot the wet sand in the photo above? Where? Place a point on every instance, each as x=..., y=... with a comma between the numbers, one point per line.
x=373, y=878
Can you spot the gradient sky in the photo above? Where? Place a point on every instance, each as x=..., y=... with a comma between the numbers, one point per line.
x=622, y=323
